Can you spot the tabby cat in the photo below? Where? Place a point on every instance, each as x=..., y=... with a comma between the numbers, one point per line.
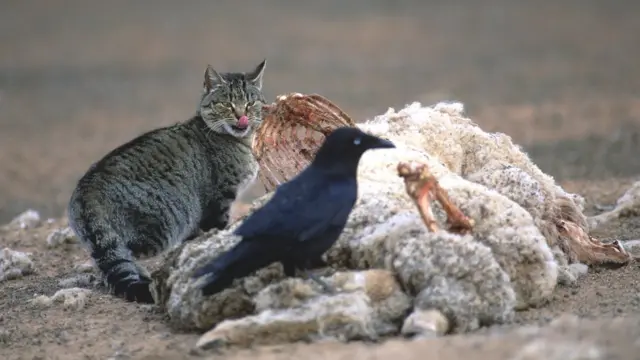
x=169, y=184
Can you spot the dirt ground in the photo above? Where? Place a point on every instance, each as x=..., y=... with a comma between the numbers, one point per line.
x=78, y=78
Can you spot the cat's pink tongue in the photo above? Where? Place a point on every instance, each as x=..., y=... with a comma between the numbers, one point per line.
x=243, y=122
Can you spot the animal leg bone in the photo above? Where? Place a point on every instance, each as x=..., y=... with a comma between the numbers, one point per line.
x=423, y=188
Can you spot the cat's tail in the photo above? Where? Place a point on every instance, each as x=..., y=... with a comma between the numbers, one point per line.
x=244, y=258
x=111, y=255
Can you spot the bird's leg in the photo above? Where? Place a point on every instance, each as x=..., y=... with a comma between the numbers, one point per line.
x=289, y=269
x=326, y=287
x=317, y=263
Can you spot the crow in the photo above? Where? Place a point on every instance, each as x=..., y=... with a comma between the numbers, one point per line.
x=302, y=220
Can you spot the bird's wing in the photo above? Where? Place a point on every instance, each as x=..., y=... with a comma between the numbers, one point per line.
x=330, y=212
x=302, y=207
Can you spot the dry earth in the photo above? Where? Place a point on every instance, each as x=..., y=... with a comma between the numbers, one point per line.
x=77, y=78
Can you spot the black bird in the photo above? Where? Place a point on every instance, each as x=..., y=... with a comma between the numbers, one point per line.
x=302, y=220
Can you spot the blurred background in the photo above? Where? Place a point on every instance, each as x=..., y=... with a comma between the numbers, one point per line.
x=78, y=78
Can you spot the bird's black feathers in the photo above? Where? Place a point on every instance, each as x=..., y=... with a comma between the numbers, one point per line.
x=304, y=217
x=301, y=209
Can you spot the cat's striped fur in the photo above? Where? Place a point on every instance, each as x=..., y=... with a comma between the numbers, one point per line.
x=167, y=185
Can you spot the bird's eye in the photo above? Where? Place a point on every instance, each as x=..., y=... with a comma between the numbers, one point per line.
x=357, y=141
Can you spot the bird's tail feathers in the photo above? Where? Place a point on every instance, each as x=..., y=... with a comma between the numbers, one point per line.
x=238, y=262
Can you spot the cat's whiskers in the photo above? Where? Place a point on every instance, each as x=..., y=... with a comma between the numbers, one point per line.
x=225, y=124
x=216, y=126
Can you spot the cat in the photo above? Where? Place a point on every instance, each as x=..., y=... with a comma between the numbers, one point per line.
x=170, y=184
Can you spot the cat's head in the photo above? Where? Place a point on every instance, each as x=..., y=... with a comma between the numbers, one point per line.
x=232, y=102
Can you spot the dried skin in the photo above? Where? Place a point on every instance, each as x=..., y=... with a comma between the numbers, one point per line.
x=291, y=133
x=581, y=247
x=423, y=188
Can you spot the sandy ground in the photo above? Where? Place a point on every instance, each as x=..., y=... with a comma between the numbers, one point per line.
x=78, y=78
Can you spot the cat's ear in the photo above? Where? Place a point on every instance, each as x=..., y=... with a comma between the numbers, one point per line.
x=212, y=79
x=255, y=77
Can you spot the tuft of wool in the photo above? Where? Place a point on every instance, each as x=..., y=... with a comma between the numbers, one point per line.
x=15, y=264
x=490, y=159
x=74, y=298
x=627, y=205
x=511, y=260
x=370, y=304
x=500, y=224
x=176, y=292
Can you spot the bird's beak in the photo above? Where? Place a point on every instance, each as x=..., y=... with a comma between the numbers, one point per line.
x=383, y=144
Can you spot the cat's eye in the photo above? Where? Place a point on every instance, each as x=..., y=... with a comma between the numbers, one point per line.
x=250, y=104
